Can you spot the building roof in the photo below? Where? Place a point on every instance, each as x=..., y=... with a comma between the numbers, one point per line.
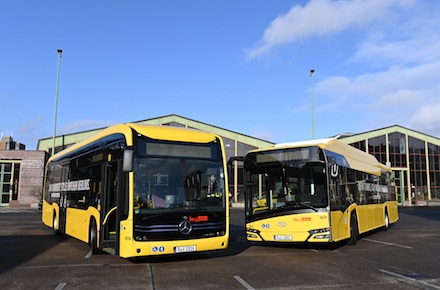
x=346, y=138
x=46, y=143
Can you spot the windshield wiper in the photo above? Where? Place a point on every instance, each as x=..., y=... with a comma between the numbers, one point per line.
x=307, y=205
x=296, y=204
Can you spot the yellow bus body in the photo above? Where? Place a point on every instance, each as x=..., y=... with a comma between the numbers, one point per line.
x=296, y=227
x=77, y=221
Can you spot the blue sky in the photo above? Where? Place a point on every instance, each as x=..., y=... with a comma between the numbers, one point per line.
x=241, y=65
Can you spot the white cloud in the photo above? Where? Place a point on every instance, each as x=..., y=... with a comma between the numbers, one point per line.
x=413, y=41
x=261, y=134
x=82, y=125
x=381, y=86
x=399, y=99
x=391, y=78
x=427, y=118
x=321, y=17
x=31, y=126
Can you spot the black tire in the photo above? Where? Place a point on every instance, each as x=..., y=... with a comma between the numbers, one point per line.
x=93, y=237
x=387, y=221
x=55, y=223
x=354, y=231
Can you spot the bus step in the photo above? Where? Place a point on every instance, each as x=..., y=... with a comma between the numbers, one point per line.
x=109, y=250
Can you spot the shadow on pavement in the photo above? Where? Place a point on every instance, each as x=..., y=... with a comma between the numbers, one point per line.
x=18, y=249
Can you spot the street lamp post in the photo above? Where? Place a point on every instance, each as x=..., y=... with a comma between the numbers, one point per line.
x=56, y=101
x=313, y=117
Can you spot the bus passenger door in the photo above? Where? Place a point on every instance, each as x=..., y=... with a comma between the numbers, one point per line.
x=109, y=211
x=62, y=212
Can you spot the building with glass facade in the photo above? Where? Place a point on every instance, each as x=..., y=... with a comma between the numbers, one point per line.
x=413, y=156
x=236, y=144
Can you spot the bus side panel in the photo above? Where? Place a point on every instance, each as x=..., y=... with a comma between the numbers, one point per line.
x=47, y=213
x=340, y=227
x=76, y=223
x=372, y=216
x=379, y=215
x=393, y=212
x=362, y=215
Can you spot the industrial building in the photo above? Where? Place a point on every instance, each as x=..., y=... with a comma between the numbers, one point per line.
x=413, y=156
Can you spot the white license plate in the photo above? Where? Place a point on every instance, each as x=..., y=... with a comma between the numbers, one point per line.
x=282, y=237
x=185, y=249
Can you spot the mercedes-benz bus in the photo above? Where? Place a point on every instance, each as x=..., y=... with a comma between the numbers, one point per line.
x=139, y=190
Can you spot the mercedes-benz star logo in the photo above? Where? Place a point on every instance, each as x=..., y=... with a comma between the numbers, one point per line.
x=185, y=227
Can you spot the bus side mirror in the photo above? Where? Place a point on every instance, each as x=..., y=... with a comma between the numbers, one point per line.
x=235, y=158
x=127, y=162
x=331, y=159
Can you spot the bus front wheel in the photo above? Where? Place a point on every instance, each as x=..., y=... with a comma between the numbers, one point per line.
x=93, y=237
x=354, y=230
x=55, y=223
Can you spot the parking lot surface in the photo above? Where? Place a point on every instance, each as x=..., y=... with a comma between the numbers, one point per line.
x=405, y=257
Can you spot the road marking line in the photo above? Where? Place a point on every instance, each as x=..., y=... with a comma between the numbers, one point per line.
x=409, y=278
x=385, y=243
x=244, y=283
x=60, y=286
x=89, y=254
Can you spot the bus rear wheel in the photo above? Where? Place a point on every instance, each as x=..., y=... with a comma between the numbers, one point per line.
x=387, y=221
x=354, y=231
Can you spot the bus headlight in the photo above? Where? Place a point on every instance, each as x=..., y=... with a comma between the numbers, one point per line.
x=322, y=237
x=320, y=233
x=252, y=230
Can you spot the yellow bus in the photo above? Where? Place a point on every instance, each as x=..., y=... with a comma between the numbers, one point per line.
x=138, y=190
x=320, y=191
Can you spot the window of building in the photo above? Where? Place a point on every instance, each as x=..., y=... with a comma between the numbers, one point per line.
x=434, y=170
x=242, y=150
x=397, y=149
x=230, y=152
x=174, y=124
x=376, y=147
x=417, y=166
x=59, y=148
x=9, y=181
x=359, y=145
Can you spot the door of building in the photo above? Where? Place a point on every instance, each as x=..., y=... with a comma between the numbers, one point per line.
x=5, y=183
x=400, y=185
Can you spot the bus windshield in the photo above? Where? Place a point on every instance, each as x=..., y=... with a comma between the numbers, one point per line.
x=285, y=185
x=170, y=176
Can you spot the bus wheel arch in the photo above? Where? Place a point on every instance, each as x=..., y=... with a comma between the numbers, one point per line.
x=354, y=229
